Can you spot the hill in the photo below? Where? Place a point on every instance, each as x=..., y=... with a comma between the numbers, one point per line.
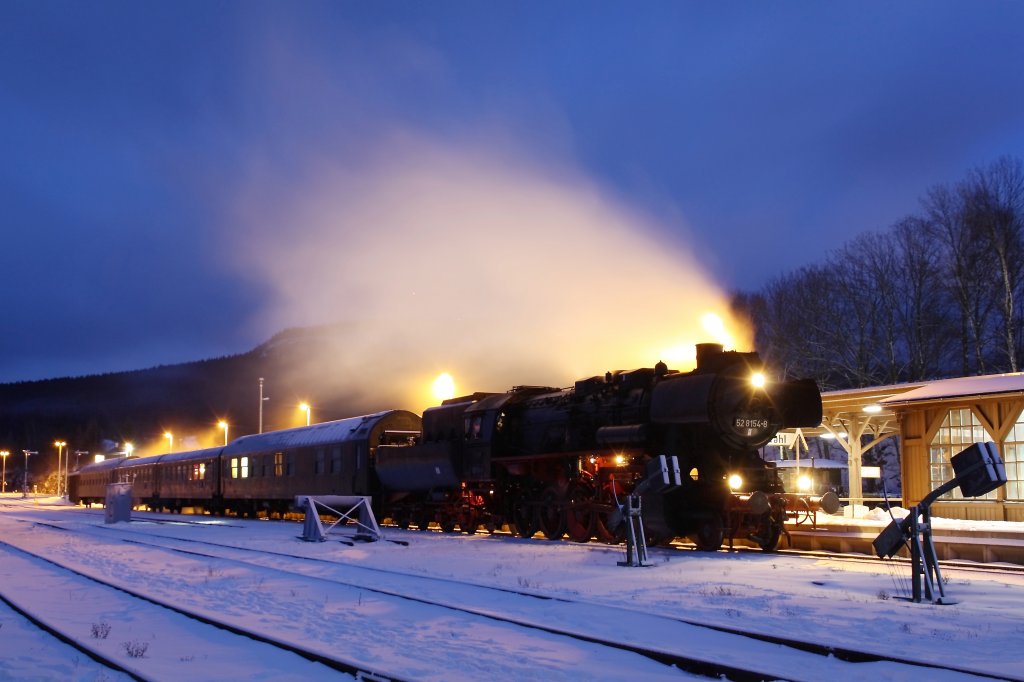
x=99, y=413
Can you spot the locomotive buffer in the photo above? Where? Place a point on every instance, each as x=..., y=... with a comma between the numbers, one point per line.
x=662, y=476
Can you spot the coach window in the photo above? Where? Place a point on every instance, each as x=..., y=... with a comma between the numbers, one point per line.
x=234, y=467
x=279, y=464
x=335, y=460
x=320, y=465
x=959, y=430
x=245, y=467
x=289, y=464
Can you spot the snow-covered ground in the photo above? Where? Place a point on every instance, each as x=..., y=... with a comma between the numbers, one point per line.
x=850, y=605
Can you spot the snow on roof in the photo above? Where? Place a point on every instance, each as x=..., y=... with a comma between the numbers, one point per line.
x=173, y=457
x=305, y=436
x=961, y=387
x=108, y=463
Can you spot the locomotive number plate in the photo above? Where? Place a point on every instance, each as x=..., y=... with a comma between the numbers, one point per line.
x=746, y=423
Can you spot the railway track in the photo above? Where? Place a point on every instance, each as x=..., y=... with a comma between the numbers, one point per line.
x=187, y=630
x=475, y=599
x=496, y=628
x=658, y=637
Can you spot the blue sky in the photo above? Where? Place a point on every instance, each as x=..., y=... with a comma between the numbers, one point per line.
x=146, y=144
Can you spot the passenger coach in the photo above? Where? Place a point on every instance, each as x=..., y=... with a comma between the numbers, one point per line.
x=265, y=471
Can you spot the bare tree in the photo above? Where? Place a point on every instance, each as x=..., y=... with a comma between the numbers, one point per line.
x=966, y=272
x=992, y=203
x=939, y=293
x=922, y=312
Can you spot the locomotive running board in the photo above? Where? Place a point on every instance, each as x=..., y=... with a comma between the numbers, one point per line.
x=358, y=511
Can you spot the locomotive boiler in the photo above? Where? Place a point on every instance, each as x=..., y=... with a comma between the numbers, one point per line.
x=561, y=461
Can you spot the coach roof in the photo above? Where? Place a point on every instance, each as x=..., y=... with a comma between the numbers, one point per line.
x=324, y=433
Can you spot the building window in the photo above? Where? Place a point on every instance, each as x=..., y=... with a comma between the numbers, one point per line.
x=960, y=430
x=1013, y=460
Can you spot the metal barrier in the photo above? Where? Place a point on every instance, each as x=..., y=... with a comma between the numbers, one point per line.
x=357, y=510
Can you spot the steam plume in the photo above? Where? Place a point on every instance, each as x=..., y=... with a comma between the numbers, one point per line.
x=474, y=260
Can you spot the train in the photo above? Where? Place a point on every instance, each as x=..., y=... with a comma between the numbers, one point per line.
x=561, y=462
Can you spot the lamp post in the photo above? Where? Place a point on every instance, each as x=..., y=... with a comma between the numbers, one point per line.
x=170, y=441
x=224, y=425
x=60, y=451
x=4, y=454
x=128, y=449
x=24, y=490
x=79, y=453
x=262, y=399
x=305, y=407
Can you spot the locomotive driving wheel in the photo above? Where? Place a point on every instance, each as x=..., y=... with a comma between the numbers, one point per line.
x=608, y=525
x=468, y=521
x=525, y=517
x=579, y=514
x=710, y=533
x=447, y=523
x=551, y=515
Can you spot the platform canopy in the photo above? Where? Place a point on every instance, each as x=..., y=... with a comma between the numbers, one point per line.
x=988, y=386
x=851, y=415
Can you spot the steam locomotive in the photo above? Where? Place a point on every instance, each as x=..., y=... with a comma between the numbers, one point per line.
x=537, y=459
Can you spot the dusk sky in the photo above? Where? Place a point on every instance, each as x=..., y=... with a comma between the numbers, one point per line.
x=181, y=180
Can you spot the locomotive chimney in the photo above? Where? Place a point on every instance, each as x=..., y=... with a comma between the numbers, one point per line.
x=707, y=352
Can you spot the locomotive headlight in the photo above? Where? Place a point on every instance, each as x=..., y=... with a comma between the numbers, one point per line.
x=735, y=482
x=803, y=483
x=757, y=380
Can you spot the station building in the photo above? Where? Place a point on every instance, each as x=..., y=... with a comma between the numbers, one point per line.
x=933, y=421
x=938, y=419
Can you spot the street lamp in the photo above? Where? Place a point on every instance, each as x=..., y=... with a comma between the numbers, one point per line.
x=4, y=454
x=224, y=425
x=262, y=399
x=24, y=490
x=170, y=441
x=307, y=409
x=128, y=449
x=60, y=449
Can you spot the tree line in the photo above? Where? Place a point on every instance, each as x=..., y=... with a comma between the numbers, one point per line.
x=938, y=294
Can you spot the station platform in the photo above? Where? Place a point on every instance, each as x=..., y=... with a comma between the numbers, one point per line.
x=981, y=541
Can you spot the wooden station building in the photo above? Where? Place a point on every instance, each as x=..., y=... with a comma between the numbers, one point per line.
x=938, y=419
x=934, y=420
